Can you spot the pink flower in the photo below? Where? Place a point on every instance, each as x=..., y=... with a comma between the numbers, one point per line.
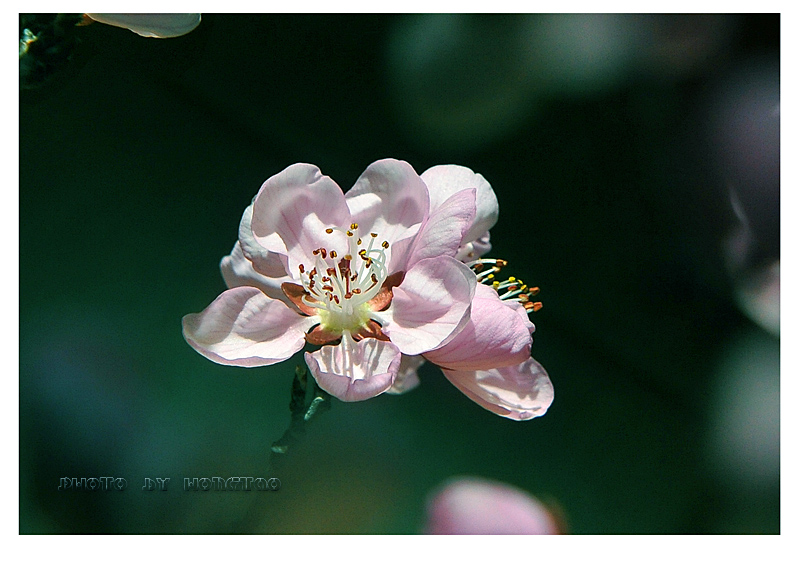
x=489, y=359
x=151, y=25
x=475, y=506
x=376, y=277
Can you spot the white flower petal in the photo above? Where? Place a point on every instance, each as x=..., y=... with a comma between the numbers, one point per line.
x=444, y=181
x=151, y=25
x=354, y=371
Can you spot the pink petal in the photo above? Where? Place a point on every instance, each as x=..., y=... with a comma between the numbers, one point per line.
x=441, y=233
x=291, y=212
x=430, y=306
x=475, y=249
x=476, y=506
x=151, y=25
x=238, y=271
x=495, y=336
x=443, y=181
x=519, y=392
x=354, y=371
x=389, y=199
x=407, y=378
x=245, y=327
x=271, y=264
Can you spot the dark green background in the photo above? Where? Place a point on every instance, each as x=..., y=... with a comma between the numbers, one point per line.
x=136, y=161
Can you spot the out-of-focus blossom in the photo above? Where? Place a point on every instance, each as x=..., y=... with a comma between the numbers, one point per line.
x=372, y=277
x=151, y=25
x=758, y=295
x=744, y=132
x=475, y=506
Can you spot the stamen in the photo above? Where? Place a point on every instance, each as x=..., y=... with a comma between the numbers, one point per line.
x=343, y=290
x=512, y=289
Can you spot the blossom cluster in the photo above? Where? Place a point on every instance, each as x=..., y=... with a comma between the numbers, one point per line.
x=382, y=278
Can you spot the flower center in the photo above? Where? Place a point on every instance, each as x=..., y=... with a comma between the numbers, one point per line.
x=340, y=288
x=512, y=289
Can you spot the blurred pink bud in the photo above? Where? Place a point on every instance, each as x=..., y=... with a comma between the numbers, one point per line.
x=475, y=506
x=151, y=25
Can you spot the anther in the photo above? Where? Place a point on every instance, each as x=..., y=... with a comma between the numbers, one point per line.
x=329, y=230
